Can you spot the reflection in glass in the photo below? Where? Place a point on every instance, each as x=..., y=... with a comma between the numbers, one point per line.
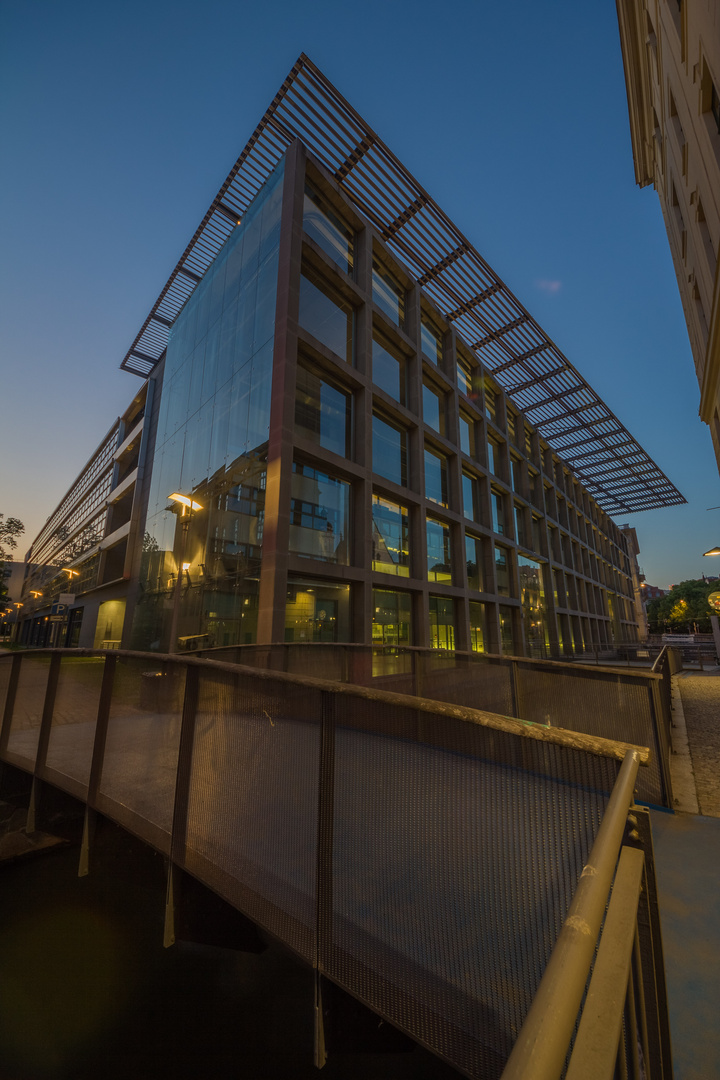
x=507, y=637
x=327, y=230
x=392, y=618
x=502, y=570
x=490, y=402
x=439, y=559
x=388, y=371
x=498, y=511
x=474, y=562
x=532, y=598
x=391, y=545
x=388, y=294
x=442, y=622
x=322, y=412
x=319, y=515
x=520, y=530
x=326, y=315
x=478, y=627
x=436, y=477
x=317, y=611
x=467, y=439
x=469, y=497
x=431, y=341
x=433, y=410
x=389, y=451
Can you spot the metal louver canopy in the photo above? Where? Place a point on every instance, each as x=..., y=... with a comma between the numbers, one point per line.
x=540, y=381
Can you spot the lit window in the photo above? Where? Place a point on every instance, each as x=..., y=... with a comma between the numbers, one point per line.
x=442, y=622
x=478, y=627
x=392, y=618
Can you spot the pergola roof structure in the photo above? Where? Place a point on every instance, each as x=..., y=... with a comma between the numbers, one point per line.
x=540, y=381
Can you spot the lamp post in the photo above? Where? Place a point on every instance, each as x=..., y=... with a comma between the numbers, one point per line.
x=188, y=505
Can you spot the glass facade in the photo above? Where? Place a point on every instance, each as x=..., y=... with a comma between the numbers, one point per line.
x=388, y=294
x=478, y=627
x=442, y=622
x=388, y=371
x=436, y=477
x=316, y=610
x=431, y=341
x=324, y=226
x=392, y=618
x=532, y=599
x=211, y=443
x=474, y=562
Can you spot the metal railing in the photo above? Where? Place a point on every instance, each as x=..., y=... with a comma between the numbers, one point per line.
x=427, y=858
x=631, y=705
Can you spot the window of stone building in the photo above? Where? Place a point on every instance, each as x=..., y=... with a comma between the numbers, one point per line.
x=497, y=507
x=431, y=341
x=392, y=618
x=319, y=515
x=324, y=226
x=439, y=556
x=442, y=622
x=502, y=571
x=470, y=496
x=467, y=435
x=326, y=315
x=388, y=293
x=436, y=477
x=322, y=412
x=389, y=370
x=434, y=409
x=478, y=626
x=389, y=450
x=391, y=537
x=474, y=556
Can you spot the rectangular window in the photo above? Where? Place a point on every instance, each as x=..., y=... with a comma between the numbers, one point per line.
x=392, y=618
x=465, y=378
x=442, y=622
x=528, y=442
x=507, y=636
x=388, y=294
x=467, y=436
x=431, y=342
x=516, y=474
x=317, y=611
x=478, y=627
x=391, y=545
x=434, y=410
x=326, y=315
x=389, y=451
x=469, y=490
x=474, y=562
x=502, y=570
x=319, y=515
x=532, y=598
x=322, y=412
x=537, y=543
x=388, y=371
x=497, y=505
x=436, y=477
x=493, y=459
x=490, y=402
x=520, y=531
x=439, y=560
x=323, y=225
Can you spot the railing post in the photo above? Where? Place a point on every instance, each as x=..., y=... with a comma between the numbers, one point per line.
x=178, y=838
x=43, y=741
x=10, y=701
x=514, y=689
x=96, y=766
x=324, y=883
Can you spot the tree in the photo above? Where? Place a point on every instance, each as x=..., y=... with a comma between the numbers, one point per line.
x=9, y=530
x=685, y=609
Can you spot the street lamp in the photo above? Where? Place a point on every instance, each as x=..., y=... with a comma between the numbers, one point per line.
x=188, y=505
x=712, y=551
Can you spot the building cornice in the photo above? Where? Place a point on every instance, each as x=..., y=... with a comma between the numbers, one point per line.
x=710, y=387
x=637, y=83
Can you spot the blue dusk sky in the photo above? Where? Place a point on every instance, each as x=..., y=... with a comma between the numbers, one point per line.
x=118, y=123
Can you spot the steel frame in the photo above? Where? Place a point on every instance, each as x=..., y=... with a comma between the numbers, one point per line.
x=535, y=375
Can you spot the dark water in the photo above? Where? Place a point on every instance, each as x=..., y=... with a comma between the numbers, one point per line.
x=87, y=991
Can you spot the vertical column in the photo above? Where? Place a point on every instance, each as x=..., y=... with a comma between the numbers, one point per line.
x=276, y=531
x=361, y=523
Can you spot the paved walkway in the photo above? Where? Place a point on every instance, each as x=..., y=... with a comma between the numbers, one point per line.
x=700, y=692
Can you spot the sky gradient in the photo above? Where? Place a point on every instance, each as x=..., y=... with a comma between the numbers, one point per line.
x=118, y=125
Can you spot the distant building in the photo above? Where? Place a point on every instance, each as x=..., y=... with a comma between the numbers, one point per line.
x=671, y=53
x=637, y=580
x=652, y=592
x=349, y=430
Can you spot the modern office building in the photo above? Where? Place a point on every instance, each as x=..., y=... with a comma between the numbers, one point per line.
x=349, y=430
x=671, y=53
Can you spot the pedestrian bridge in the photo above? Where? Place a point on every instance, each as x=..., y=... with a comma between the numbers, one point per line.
x=450, y=868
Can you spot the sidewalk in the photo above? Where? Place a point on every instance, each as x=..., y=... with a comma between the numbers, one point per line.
x=687, y=861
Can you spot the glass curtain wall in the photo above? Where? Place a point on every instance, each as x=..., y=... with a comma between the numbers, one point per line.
x=211, y=446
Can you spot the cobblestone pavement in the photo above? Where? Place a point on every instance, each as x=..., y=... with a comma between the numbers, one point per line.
x=701, y=704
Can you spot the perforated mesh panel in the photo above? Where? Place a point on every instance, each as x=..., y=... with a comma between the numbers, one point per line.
x=253, y=801
x=611, y=706
x=452, y=871
x=5, y=668
x=27, y=714
x=74, y=720
x=141, y=750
